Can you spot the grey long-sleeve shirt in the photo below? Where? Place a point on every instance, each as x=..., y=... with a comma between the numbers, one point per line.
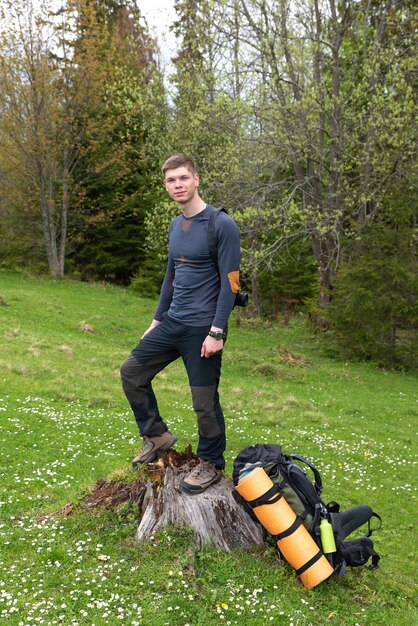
x=193, y=292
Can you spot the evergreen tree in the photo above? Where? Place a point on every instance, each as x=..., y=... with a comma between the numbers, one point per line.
x=374, y=311
x=117, y=165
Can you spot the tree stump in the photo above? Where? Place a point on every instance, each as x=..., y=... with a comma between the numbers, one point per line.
x=216, y=516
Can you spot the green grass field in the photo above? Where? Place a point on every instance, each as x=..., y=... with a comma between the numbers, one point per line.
x=64, y=422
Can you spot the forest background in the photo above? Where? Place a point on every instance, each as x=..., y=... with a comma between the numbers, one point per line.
x=300, y=114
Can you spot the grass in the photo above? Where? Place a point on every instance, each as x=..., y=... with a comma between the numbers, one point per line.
x=64, y=422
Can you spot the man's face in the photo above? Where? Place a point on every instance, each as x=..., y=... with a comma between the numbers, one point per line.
x=181, y=184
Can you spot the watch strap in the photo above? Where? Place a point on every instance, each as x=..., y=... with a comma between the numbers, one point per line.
x=218, y=335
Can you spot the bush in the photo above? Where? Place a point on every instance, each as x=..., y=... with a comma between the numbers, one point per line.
x=374, y=310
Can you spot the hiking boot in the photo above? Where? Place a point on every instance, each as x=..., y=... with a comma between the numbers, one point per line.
x=199, y=479
x=152, y=445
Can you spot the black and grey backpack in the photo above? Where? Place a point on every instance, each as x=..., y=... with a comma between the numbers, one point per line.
x=304, y=497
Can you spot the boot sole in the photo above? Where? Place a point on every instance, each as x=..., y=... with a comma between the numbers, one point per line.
x=154, y=453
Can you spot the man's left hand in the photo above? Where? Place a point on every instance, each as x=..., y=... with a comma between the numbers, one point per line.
x=211, y=346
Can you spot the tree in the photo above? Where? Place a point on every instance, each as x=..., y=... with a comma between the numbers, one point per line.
x=374, y=312
x=80, y=96
x=124, y=116
x=35, y=142
x=338, y=111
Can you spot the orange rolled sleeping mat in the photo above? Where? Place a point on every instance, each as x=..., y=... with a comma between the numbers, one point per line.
x=293, y=540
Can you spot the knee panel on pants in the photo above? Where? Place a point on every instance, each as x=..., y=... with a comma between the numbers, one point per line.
x=129, y=368
x=134, y=380
x=204, y=405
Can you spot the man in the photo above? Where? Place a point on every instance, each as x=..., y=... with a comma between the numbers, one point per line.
x=191, y=321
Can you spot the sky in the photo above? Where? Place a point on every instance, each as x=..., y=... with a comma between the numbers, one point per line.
x=159, y=15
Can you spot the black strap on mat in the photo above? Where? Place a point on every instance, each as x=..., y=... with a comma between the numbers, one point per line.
x=265, y=498
x=309, y=563
x=290, y=530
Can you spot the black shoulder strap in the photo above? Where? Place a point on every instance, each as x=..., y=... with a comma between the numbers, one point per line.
x=213, y=249
x=370, y=529
x=317, y=476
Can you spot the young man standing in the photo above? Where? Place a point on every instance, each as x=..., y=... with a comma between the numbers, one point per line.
x=190, y=322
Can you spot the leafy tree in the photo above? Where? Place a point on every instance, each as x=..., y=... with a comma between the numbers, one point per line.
x=150, y=274
x=337, y=111
x=208, y=117
x=35, y=151
x=80, y=103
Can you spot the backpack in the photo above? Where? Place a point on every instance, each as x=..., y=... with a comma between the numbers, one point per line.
x=241, y=298
x=304, y=496
x=213, y=249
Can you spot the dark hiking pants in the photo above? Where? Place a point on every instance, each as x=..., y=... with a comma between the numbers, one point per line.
x=164, y=344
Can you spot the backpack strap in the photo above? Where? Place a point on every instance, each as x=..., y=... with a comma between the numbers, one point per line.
x=213, y=248
x=318, y=481
x=371, y=530
x=375, y=560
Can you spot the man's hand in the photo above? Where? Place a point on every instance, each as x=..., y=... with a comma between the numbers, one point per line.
x=154, y=323
x=211, y=346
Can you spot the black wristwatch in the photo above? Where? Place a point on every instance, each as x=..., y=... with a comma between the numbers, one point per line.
x=217, y=335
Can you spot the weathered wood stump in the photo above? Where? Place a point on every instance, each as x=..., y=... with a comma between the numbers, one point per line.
x=216, y=516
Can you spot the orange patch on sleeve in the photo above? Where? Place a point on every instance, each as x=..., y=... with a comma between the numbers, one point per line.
x=233, y=278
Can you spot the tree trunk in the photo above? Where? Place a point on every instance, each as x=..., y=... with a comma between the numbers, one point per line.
x=64, y=209
x=325, y=251
x=255, y=294
x=325, y=285
x=48, y=228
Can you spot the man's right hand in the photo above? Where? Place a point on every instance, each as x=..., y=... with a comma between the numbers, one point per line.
x=154, y=323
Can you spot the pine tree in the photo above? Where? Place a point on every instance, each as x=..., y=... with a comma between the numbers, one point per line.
x=117, y=165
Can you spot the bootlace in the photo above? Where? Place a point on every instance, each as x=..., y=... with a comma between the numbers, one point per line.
x=202, y=468
x=146, y=442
